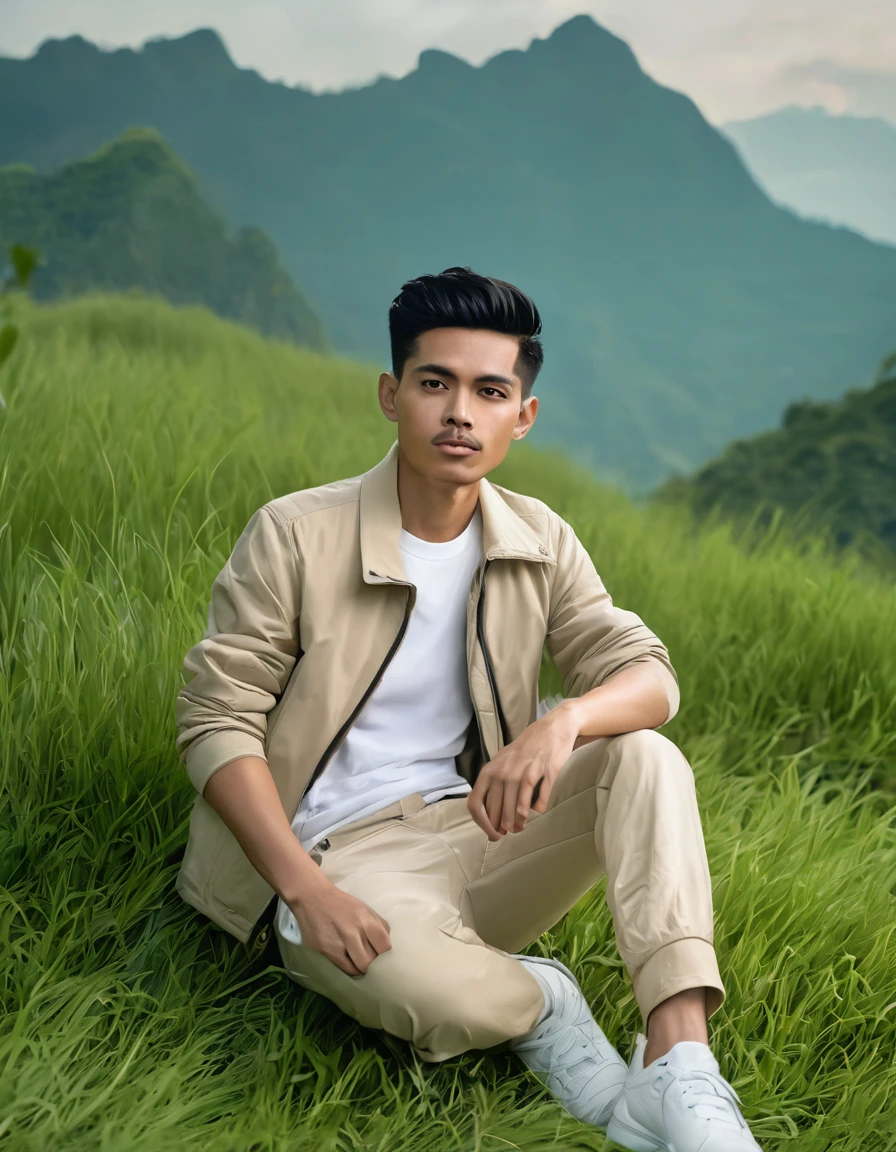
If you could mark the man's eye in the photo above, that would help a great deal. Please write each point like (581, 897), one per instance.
(496, 391)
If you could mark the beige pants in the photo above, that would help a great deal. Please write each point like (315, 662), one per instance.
(458, 904)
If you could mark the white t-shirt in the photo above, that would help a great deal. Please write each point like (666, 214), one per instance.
(406, 737)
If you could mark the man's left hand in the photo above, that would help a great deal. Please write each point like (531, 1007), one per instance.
(501, 798)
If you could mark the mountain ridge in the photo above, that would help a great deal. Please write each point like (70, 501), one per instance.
(840, 169)
(829, 467)
(130, 215)
(681, 307)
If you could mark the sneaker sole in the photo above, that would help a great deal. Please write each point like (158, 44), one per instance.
(630, 1134)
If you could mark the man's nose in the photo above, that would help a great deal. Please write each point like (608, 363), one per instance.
(459, 410)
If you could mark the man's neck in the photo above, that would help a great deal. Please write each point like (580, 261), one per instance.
(434, 511)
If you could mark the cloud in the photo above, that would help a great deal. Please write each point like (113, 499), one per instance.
(861, 91)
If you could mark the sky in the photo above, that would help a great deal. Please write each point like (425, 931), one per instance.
(735, 58)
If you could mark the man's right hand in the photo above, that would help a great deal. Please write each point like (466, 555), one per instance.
(341, 927)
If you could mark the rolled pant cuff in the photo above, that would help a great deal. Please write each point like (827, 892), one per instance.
(688, 963)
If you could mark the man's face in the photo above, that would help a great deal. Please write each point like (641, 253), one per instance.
(442, 395)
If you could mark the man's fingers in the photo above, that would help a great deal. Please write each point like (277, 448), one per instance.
(476, 808)
(360, 951)
(486, 805)
(523, 801)
(541, 795)
(509, 807)
(378, 935)
(494, 805)
(339, 955)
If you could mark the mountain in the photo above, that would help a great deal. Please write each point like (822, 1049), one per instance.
(682, 308)
(832, 464)
(131, 216)
(835, 168)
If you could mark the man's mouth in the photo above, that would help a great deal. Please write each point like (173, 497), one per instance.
(461, 449)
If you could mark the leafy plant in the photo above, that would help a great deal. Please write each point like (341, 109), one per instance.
(23, 261)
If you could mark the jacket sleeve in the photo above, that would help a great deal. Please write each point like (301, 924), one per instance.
(240, 667)
(588, 637)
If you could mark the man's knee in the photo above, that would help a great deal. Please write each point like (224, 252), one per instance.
(648, 759)
(486, 998)
(479, 1004)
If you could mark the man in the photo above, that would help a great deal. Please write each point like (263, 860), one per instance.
(361, 723)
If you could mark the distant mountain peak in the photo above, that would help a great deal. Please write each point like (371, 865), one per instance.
(55, 47)
(583, 24)
(583, 43)
(150, 145)
(198, 52)
(578, 41)
(202, 46)
(788, 113)
(435, 60)
(583, 35)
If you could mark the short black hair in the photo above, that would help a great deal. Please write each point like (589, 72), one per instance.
(461, 298)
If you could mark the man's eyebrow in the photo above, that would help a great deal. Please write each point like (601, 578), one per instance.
(441, 370)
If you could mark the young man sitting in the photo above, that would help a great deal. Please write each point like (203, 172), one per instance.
(374, 768)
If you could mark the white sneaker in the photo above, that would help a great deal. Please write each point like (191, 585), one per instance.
(679, 1103)
(566, 1048)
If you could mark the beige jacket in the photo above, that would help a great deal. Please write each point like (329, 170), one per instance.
(306, 614)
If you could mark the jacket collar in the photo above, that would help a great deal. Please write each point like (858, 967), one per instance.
(505, 535)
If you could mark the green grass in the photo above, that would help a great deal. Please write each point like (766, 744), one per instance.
(138, 442)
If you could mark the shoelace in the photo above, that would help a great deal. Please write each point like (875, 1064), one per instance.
(564, 1056)
(711, 1093)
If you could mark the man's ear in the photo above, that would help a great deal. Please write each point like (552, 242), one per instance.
(387, 386)
(526, 418)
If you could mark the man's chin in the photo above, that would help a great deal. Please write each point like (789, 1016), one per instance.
(460, 471)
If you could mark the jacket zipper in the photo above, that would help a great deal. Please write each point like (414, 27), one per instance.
(259, 940)
(480, 634)
(340, 735)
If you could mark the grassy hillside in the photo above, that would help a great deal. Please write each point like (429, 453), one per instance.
(139, 440)
(830, 468)
(681, 307)
(132, 216)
